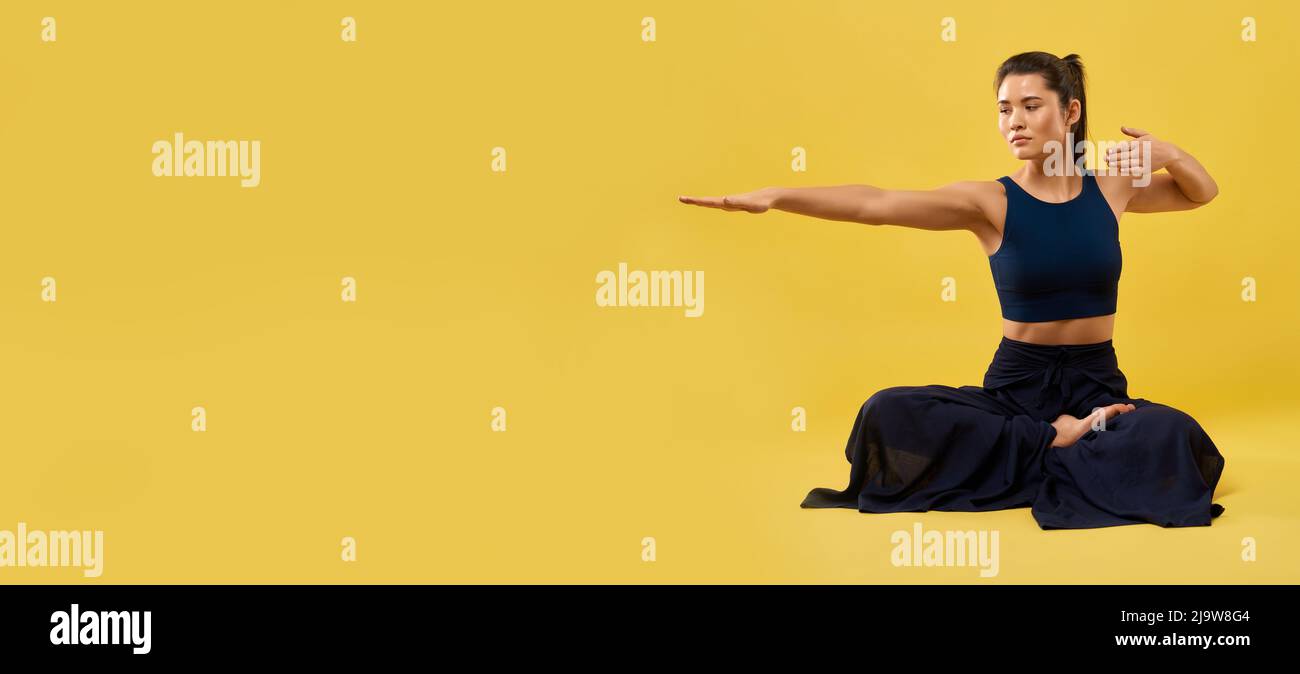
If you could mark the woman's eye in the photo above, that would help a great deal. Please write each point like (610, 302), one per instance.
(1032, 107)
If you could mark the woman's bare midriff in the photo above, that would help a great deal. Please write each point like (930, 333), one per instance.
(1090, 330)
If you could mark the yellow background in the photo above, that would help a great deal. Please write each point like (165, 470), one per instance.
(476, 289)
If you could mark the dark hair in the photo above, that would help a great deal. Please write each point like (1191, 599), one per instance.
(1063, 75)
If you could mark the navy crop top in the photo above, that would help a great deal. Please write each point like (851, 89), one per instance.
(1057, 260)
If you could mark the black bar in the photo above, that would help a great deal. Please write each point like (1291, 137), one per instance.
(197, 623)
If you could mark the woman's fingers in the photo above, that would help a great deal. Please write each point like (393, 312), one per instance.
(1125, 149)
(711, 202)
(737, 202)
(1094, 418)
(1111, 411)
(714, 202)
(1116, 408)
(1126, 156)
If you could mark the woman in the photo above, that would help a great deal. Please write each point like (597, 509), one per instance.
(1052, 427)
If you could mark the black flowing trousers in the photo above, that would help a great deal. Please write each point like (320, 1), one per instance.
(979, 448)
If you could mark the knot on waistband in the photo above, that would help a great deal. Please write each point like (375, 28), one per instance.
(1020, 361)
(1053, 375)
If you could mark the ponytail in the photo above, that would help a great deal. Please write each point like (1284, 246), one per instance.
(1077, 89)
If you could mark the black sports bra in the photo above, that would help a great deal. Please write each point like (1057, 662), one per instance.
(1057, 260)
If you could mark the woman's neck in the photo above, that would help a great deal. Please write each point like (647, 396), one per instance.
(1054, 187)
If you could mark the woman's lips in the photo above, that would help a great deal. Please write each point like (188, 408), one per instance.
(1019, 141)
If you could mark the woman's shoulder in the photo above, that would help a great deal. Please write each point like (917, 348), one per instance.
(995, 190)
(986, 188)
(977, 189)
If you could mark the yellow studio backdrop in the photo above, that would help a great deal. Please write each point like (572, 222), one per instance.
(640, 444)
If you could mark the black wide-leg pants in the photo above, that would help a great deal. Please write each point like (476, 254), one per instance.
(978, 448)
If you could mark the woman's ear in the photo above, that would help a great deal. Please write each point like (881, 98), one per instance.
(1074, 112)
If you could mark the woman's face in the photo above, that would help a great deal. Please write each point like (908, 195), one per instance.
(1028, 109)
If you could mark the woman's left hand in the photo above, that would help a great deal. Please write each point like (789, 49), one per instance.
(1131, 159)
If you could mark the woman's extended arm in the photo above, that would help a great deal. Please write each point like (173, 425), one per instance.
(954, 206)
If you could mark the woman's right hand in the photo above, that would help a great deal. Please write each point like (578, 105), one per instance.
(752, 202)
(1070, 429)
